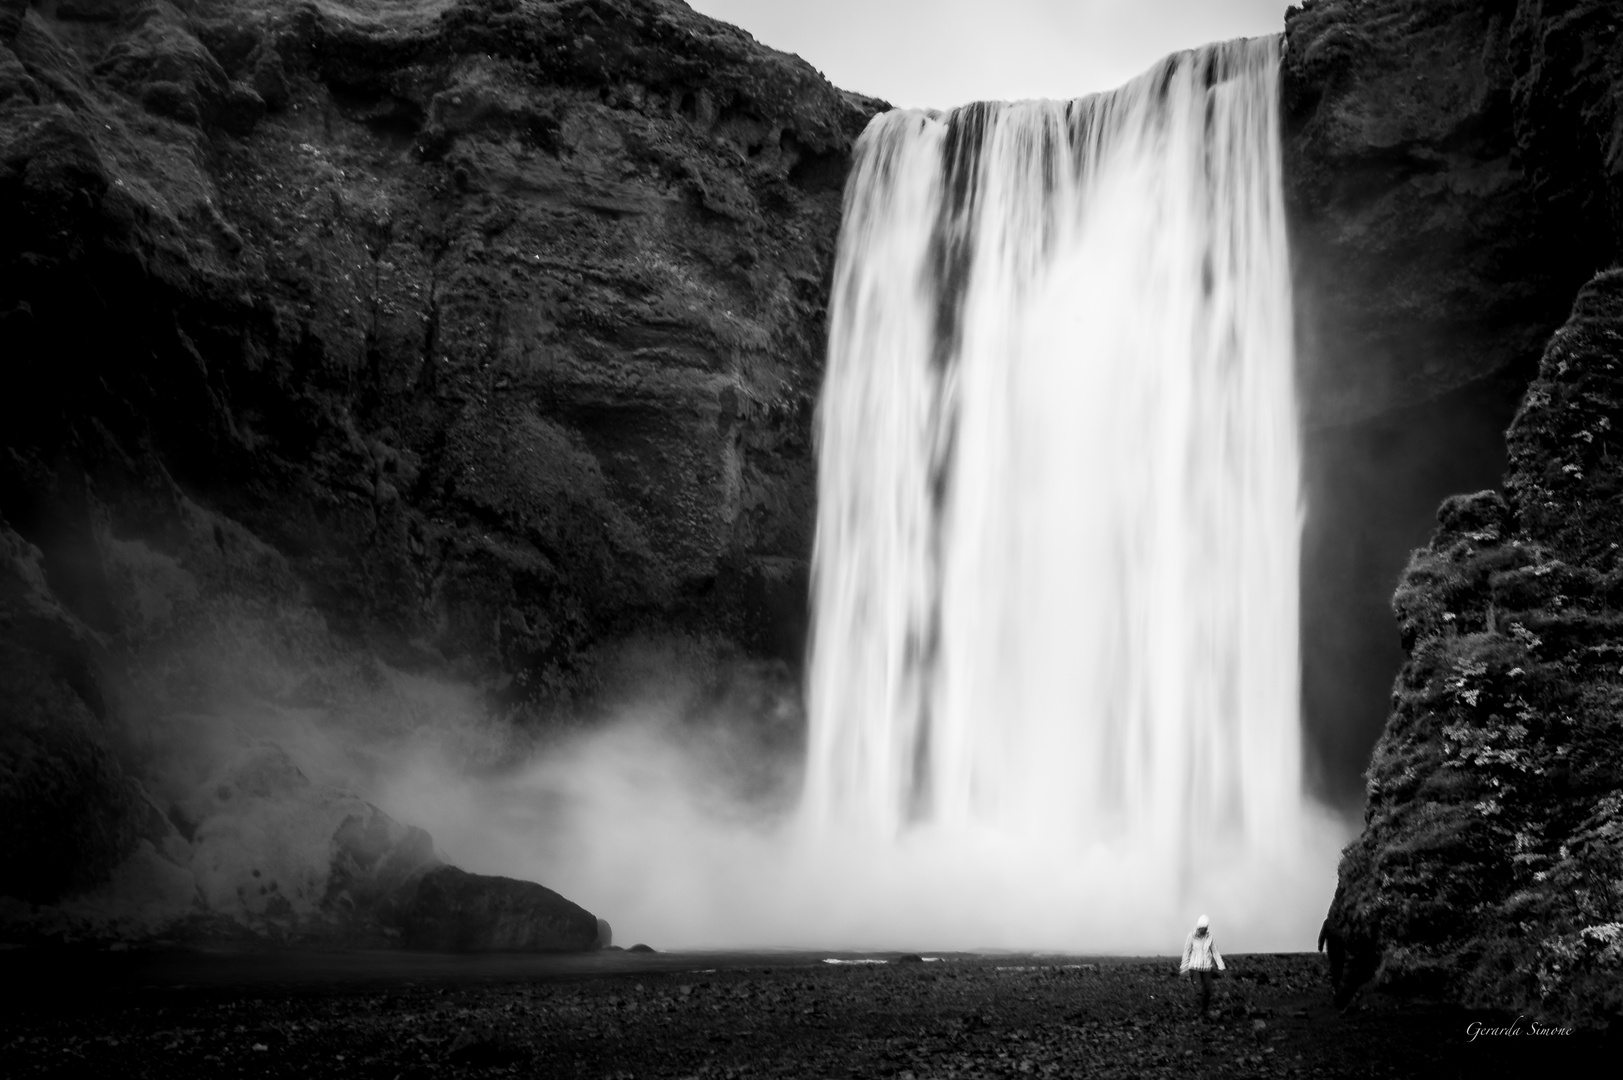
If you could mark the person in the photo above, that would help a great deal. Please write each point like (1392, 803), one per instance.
(1333, 945)
(1201, 956)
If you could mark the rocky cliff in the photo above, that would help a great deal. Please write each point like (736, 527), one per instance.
(1454, 173)
(1491, 861)
(356, 343)
(1455, 169)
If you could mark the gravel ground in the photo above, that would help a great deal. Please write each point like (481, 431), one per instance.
(642, 1016)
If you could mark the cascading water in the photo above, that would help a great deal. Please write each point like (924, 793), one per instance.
(1055, 579)
(1053, 682)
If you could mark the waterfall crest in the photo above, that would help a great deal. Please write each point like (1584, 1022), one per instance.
(1055, 577)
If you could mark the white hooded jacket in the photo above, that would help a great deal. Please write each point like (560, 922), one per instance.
(1200, 954)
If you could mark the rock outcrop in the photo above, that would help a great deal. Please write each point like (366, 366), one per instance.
(446, 340)
(454, 911)
(1491, 862)
(1454, 173)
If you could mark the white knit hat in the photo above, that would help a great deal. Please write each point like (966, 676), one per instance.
(1202, 923)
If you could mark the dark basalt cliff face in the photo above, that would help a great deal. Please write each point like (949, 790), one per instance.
(348, 344)
(1454, 173)
(1491, 862)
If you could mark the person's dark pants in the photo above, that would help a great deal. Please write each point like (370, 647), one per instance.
(1205, 991)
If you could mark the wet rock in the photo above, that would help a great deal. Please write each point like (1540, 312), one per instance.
(452, 910)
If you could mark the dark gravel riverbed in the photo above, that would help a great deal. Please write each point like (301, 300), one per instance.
(624, 1015)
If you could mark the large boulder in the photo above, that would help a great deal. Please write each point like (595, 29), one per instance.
(452, 910)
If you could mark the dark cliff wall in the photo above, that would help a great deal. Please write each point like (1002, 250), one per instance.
(502, 321)
(1491, 861)
(1452, 177)
(1456, 176)
(472, 338)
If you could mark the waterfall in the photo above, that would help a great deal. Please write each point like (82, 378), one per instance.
(1052, 688)
(1055, 578)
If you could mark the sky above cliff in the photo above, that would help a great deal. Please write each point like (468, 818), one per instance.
(941, 53)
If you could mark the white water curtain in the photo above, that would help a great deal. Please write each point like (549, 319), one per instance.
(1055, 580)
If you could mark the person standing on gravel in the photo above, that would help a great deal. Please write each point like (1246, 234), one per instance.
(1200, 955)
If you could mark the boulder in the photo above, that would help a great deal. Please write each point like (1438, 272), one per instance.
(451, 910)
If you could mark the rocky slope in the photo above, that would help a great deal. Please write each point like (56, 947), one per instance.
(1454, 173)
(356, 343)
(1491, 862)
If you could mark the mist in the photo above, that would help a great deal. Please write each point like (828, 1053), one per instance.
(638, 823)
(675, 813)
